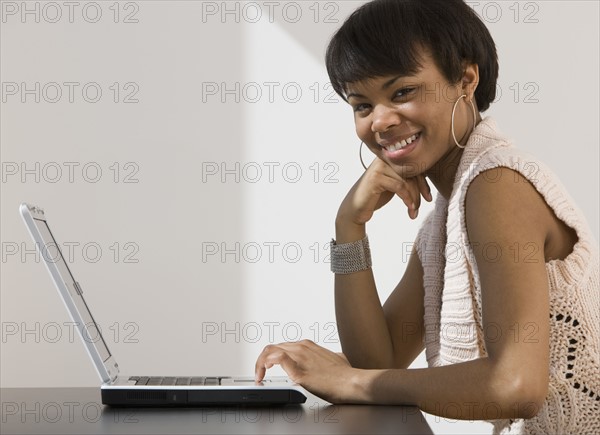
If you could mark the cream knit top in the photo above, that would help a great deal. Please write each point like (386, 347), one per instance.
(452, 303)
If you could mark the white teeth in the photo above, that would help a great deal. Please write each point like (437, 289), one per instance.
(402, 144)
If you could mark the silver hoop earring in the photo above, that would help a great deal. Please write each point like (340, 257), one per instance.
(474, 119)
(360, 155)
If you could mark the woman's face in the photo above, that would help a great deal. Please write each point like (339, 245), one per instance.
(389, 110)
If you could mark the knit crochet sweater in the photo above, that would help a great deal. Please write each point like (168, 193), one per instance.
(452, 302)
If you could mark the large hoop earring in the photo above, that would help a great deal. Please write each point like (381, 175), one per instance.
(360, 155)
(454, 110)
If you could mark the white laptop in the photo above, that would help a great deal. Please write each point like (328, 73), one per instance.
(137, 391)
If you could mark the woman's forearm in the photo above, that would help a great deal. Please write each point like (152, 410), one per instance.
(473, 390)
(362, 328)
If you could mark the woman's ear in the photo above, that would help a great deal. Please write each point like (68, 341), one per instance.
(470, 79)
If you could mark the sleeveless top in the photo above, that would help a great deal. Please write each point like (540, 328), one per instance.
(452, 301)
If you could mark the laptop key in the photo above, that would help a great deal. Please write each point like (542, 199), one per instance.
(134, 378)
(199, 380)
(212, 381)
(168, 381)
(142, 380)
(155, 381)
(183, 381)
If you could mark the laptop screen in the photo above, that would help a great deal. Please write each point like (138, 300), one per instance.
(52, 253)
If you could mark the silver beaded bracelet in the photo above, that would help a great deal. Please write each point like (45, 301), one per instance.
(350, 257)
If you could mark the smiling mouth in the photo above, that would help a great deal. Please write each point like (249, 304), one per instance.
(399, 145)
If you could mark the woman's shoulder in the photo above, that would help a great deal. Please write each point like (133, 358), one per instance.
(501, 199)
(516, 159)
(514, 168)
(505, 176)
(519, 166)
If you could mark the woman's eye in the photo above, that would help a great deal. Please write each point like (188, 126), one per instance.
(403, 92)
(361, 107)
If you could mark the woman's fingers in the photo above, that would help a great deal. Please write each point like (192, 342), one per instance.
(295, 358)
(376, 187)
(316, 368)
(261, 366)
(410, 190)
(424, 188)
(405, 192)
(272, 355)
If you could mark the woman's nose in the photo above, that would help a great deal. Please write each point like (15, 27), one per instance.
(384, 118)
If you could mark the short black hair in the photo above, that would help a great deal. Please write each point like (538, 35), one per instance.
(383, 37)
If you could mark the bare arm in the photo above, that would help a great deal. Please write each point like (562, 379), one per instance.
(512, 380)
(404, 314)
(371, 335)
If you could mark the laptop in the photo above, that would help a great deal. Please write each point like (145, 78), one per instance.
(135, 391)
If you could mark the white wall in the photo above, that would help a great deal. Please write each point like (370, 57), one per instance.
(142, 235)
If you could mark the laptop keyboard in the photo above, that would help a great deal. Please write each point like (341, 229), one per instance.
(158, 380)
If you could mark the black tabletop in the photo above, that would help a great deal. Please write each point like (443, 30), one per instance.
(80, 411)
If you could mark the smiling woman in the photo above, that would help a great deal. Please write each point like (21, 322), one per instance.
(501, 289)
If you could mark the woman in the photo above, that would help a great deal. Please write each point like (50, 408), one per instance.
(502, 287)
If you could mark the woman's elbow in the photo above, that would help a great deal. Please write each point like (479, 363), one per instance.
(526, 396)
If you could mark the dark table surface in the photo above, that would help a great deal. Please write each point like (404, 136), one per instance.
(80, 411)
